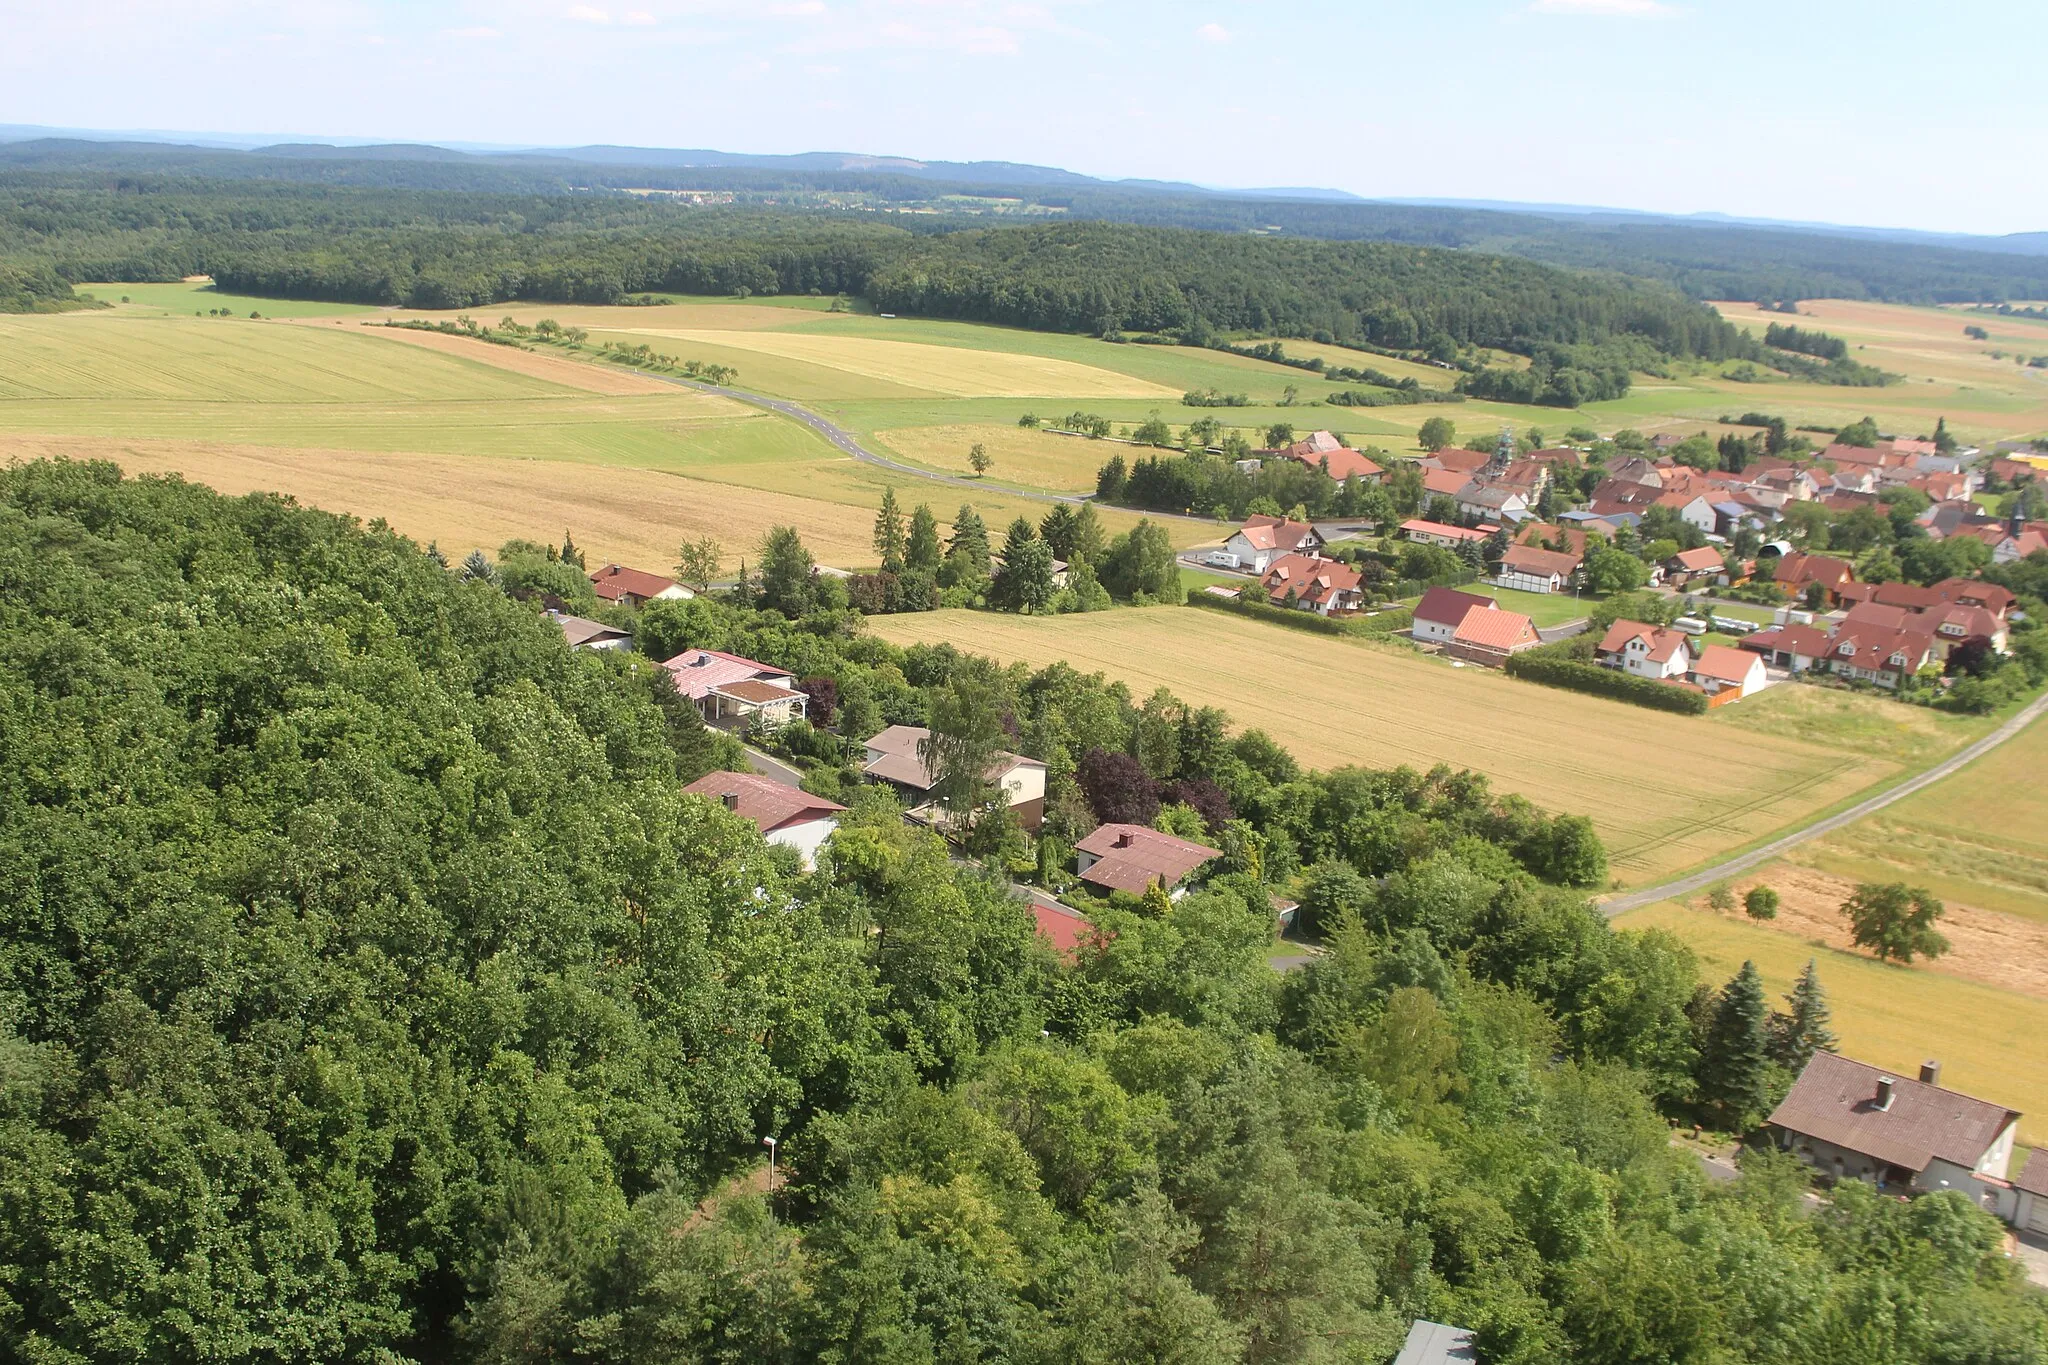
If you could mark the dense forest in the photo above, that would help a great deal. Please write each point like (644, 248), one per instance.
(370, 992)
(1703, 259)
(457, 249)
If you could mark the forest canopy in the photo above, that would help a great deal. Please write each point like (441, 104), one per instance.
(369, 991)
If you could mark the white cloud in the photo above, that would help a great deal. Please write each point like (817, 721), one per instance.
(589, 14)
(1616, 9)
(482, 33)
(1213, 33)
(638, 18)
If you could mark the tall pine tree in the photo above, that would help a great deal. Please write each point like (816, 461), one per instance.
(889, 533)
(922, 549)
(1023, 582)
(967, 553)
(1058, 530)
(1735, 1062)
(1796, 1036)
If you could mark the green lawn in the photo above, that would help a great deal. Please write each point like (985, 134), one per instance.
(182, 300)
(1546, 609)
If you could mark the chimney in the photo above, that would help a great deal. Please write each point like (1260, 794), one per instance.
(1930, 1073)
(1884, 1093)
(1123, 839)
(732, 802)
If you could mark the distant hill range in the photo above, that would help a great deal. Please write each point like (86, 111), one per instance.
(1706, 255)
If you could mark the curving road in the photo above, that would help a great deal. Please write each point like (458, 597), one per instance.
(1699, 881)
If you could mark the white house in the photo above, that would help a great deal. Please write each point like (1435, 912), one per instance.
(786, 815)
(1492, 502)
(1262, 539)
(896, 756)
(1646, 651)
(1533, 570)
(730, 690)
(1856, 1122)
(2030, 1194)
(1442, 610)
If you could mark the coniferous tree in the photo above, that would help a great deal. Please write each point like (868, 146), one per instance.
(1734, 1063)
(921, 550)
(476, 568)
(787, 573)
(1089, 537)
(1797, 1035)
(889, 542)
(967, 553)
(1058, 531)
(1023, 582)
(571, 552)
(434, 553)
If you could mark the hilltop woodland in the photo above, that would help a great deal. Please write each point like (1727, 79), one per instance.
(455, 249)
(370, 991)
(1704, 261)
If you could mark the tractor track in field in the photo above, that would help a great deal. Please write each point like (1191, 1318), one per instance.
(1698, 881)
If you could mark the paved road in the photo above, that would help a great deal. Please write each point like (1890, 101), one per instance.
(844, 441)
(774, 769)
(1699, 881)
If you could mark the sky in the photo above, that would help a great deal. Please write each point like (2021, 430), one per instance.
(1898, 113)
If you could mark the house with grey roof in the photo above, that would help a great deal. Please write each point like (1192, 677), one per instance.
(1432, 1343)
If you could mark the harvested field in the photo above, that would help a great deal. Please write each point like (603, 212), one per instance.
(1988, 1040)
(1337, 701)
(636, 516)
(575, 374)
(950, 370)
(1037, 459)
(1985, 946)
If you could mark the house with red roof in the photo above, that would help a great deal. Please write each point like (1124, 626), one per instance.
(1442, 610)
(785, 815)
(1064, 928)
(1532, 570)
(1722, 669)
(1323, 450)
(1134, 858)
(1795, 572)
(635, 587)
(1263, 539)
(1445, 483)
(1791, 646)
(1327, 587)
(730, 690)
(1658, 653)
(1872, 654)
(1490, 638)
(1457, 460)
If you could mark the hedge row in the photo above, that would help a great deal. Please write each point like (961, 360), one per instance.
(1386, 623)
(1561, 670)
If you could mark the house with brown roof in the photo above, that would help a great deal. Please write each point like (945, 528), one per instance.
(785, 815)
(1722, 669)
(1795, 572)
(1263, 539)
(1854, 1121)
(635, 587)
(1694, 566)
(1132, 858)
(1440, 533)
(731, 691)
(1457, 460)
(1490, 637)
(896, 756)
(2030, 1194)
(1532, 570)
(1647, 651)
(583, 633)
(1445, 483)
(1790, 646)
(1442, 610)
(1327, 587)
(1494, 500)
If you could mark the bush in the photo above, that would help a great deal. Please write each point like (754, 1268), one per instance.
(1561, 670)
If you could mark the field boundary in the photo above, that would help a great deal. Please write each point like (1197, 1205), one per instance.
(1699, 881)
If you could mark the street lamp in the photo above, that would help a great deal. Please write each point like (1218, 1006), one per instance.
(769, 1143)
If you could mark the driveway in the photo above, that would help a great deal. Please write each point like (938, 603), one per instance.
(774, 769)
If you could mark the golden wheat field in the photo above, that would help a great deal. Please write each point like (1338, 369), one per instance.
(1665, 791)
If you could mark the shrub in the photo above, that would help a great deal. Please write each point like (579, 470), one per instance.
(1561, 670)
